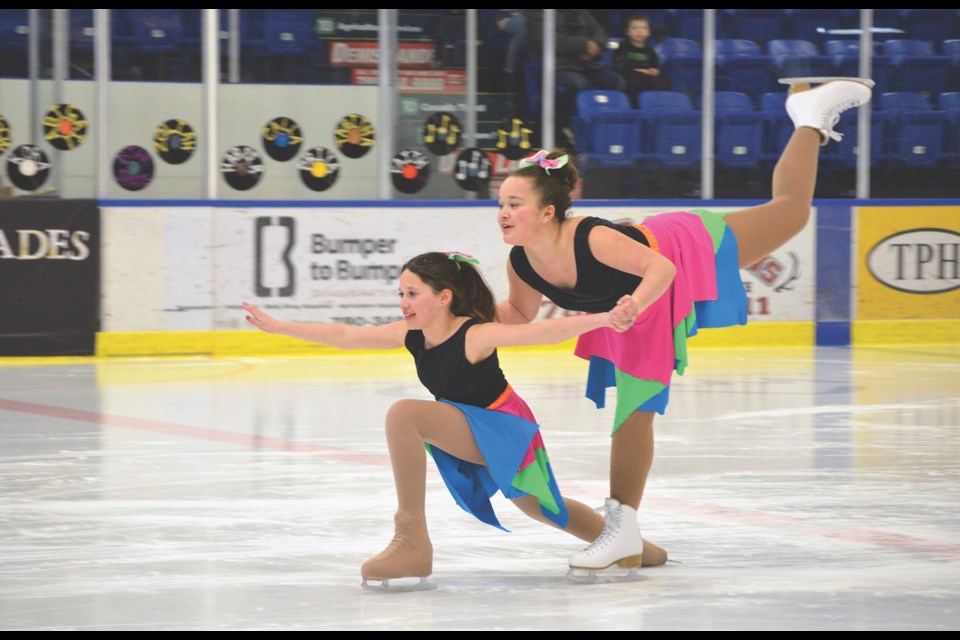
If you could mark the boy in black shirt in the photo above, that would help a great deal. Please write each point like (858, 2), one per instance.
(637, 60)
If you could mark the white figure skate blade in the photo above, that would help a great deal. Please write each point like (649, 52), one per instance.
(398, 585)
(822, 79)
(611, 574)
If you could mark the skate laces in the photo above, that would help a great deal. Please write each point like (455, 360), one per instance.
(843, 103)
(834, 135)
(612, 527)
(830, 114)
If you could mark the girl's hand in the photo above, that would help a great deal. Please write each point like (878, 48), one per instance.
(624, 314)
(259, 319)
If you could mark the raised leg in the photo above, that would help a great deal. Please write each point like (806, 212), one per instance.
(764, 228)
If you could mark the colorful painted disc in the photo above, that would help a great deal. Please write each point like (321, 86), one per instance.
(282, 138)
(242, 167)
(319, 168)
(6, 135)
(410, 171)
(175, 141)
(354, 135)
(472, 169)
(515, 139)
(64, 127)
(28, 167)
(133, 168)
(442, 133)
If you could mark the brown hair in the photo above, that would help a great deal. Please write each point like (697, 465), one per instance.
(471, 295)
(554, 187)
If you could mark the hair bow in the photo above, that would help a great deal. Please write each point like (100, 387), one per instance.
(458, 257)
(540, 158)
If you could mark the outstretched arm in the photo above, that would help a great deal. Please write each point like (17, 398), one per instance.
(482, 339)
(334, 334)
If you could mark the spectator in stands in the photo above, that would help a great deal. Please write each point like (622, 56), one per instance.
(513, 24)
(637, 60)
(580, 43)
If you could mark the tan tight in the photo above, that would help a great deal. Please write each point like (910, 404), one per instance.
(759, 231)
(762, 229)
(410, 423)
(631, 456)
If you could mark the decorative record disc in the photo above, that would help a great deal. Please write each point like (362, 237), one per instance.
(319, 168)
(64, 127)
(28, 167)
(472, 169)
(175, 141)
(133, 168)
(354, 135)
(242, 167)
(6, 135)
(410, 170)
(441, 133)
(515, 138)
(282, 138)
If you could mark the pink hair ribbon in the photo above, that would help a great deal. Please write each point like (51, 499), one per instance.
(540, 158)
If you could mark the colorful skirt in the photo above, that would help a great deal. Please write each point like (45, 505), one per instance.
(706, 292)
(516, 461)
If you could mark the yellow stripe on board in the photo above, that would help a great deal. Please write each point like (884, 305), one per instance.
(238, 344)
(873, 332)
(250, 343)
(207, 343)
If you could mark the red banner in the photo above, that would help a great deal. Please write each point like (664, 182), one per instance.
(367, 54)
(418, 80)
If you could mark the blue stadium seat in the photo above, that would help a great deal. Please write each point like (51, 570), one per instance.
(533, 84)
(287, 49)
(814, 25)
(794, 58)
(155, 42)
(607, 128)
(913, 131)
(81, 35)
(844, 155)
(81, 30)
(888, 24)
(742, 65)
(739, 131)
(673, 129)
(915, 66)
(951, 49)
(845, 57)
(14, 38)
(681, 63)
(932, 25)
(949, 103)
(778, 127)
(156, 30)
(759, 25)
(685, 23)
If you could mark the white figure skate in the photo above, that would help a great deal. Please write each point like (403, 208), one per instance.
(820, 107)
(619, 545)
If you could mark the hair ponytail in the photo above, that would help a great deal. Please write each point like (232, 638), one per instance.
(554, 177)
(471, 294)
